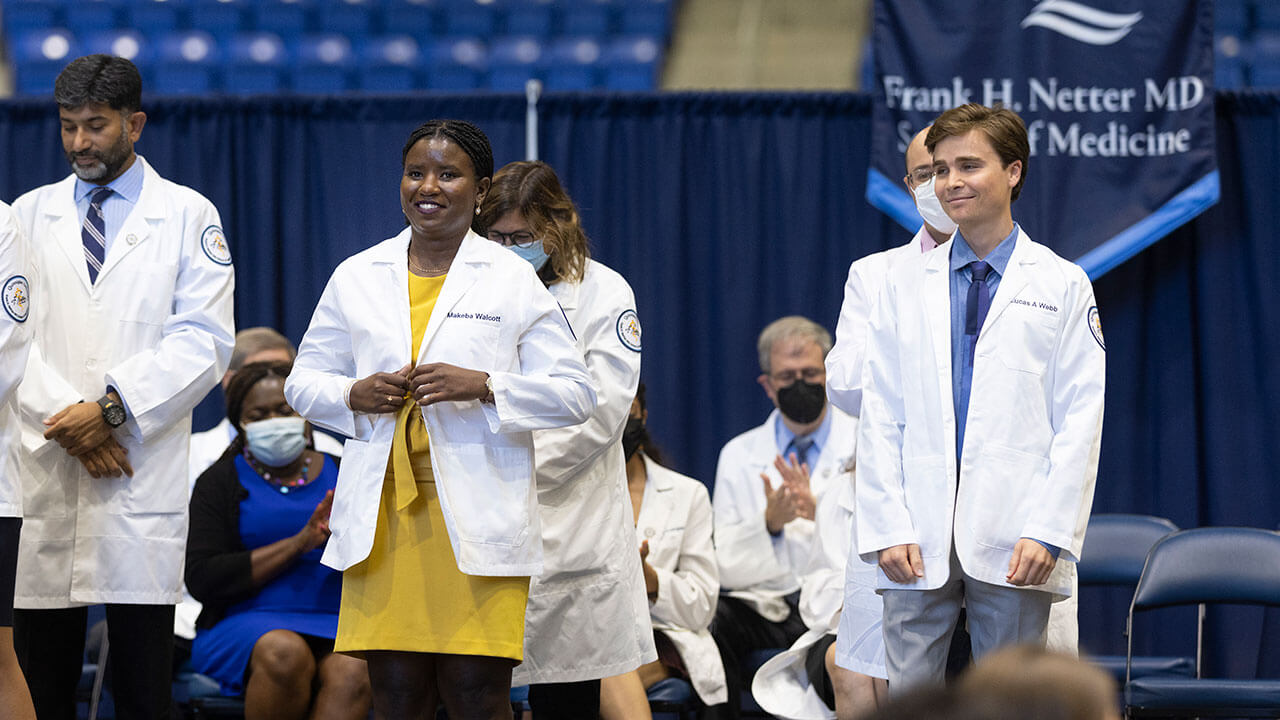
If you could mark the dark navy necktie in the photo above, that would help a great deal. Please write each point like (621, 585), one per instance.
(801, 449)
(93, 232)
(977, 304)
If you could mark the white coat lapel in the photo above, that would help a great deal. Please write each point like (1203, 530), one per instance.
(467, 266)
(937, 302)
(658, 508)
(391, 285)
(1014, 280)
(64, 229)
(138, 225)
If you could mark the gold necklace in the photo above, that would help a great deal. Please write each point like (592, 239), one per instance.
(424, 271)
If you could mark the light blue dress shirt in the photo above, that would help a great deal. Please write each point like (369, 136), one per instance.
(787, 440)
(961, 368)
(118, 205)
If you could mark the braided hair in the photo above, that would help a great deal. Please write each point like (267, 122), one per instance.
(245, 379)
(466, 136)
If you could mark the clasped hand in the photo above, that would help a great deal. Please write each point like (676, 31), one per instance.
(82, 432)
(790, 500)
(429, 383)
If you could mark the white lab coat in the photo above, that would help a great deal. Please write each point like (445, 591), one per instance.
(492, 315)
(1033, 432)
(157, 326)
(755, 566)
(15, 343)
(675, 517)
(588, 616)
(206, 447)
(781, 686)
(844, 362)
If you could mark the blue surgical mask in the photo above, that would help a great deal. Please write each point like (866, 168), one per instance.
(533, 254)
(276, 442)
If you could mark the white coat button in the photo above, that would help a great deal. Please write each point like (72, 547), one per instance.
(650, 532)
(132, 239)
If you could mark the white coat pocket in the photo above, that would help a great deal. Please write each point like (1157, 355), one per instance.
(1004, 501)
(1026, 340)
(487, 491)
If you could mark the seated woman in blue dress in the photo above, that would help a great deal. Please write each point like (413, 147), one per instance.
(259, 521)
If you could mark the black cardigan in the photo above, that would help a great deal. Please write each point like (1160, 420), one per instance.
(218, 573)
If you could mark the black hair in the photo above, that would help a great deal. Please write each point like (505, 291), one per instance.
(99, 79)
(238, 389)
(466, 136)
(647, 444)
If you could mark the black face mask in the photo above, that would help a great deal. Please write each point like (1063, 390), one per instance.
(802, 401)
(633, 436)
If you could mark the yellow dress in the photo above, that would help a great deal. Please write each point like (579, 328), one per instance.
(408, 594)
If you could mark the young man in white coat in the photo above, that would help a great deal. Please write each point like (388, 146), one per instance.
(981, 425)
(763, 524)
(132, 320)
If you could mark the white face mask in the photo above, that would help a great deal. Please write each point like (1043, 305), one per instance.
(931, 209)
(276, 442)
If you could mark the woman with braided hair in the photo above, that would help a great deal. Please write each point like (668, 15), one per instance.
(438, 353)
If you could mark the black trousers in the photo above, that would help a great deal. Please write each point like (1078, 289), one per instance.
(50, 648)
(565, 701)
(738, 630)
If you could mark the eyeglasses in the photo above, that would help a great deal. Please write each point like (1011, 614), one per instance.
(787, 377)
(519, 238)
(920, 176)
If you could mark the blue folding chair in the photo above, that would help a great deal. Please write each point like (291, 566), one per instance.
(1197, 567)
(1115, 549)
(673, 699)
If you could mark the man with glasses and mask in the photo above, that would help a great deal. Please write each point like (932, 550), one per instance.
(764, 524)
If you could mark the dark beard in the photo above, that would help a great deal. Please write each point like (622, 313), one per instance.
(109, 161)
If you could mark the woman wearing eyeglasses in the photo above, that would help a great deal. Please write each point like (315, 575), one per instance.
(588, 616)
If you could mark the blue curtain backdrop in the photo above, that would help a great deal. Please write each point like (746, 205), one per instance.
(726, 211)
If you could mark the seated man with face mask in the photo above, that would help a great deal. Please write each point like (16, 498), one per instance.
(764, 525)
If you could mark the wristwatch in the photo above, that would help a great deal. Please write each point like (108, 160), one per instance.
(112, 412)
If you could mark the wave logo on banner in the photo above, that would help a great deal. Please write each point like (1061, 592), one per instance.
(1122, 138)
(1081, 22)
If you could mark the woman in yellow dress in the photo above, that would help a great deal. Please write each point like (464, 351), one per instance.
(438, 353)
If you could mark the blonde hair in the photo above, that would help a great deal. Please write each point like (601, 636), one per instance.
(531, 188)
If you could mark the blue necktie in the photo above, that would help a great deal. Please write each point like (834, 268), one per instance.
(801, 448)
(93, 232)
(977, 304)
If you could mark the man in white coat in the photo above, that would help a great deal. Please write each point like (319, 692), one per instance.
(866, 277)
(981, 425)
(132, 320)
(764, 525)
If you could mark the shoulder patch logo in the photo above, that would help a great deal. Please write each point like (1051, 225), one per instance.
(628, 326)
(1095, 326)
(17, 298)
(214, 244)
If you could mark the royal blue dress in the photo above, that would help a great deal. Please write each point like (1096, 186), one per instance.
(304, 598)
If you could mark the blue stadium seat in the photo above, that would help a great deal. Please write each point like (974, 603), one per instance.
(631, 63)
(1229, 62)
(645, 17)
(323, 64)
(38, 56)
(286, 18)
(220, 18)
(187, 63)
(23, 16)
(469, 17)
(153, 17)
(1266, 15)
(89, 16)
(570, 64)
(353, 18)
(456, 64)
(128, 44)
(257, 64)
(512, 62)
(586, 17)
(414, 17)
(1231, 16)
(1264, 56)
(388, 64)
(529, 17)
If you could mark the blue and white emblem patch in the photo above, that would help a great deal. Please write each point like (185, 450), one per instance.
(1095, 326)
(629, 330)
(17, 298)
(214, 244)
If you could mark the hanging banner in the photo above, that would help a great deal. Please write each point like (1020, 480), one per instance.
(1117, 96)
